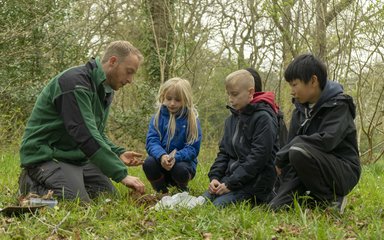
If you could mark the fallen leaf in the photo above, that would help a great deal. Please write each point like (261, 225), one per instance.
(361, 225)
(279, 229)
(288, 229)
(207, 236)
(56, 237)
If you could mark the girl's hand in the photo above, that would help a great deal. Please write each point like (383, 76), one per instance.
(167, 162)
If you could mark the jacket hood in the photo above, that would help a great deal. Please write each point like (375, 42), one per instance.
(331, 90)
(260, 101)
(267, 97)
(334, 89)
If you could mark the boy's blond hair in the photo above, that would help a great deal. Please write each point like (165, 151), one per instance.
(183, 91)
(242, 77)
(121, 49)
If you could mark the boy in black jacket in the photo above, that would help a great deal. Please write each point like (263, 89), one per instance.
(321, 158)
(244, 167)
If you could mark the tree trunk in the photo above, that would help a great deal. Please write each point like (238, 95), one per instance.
(160, 51)
(321, 29)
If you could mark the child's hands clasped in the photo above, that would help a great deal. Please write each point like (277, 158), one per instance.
(167, 162)
(215, 187)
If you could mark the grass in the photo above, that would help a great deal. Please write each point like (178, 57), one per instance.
(123, 218)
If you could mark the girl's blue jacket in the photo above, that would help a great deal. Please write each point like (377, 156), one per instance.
(158, 142)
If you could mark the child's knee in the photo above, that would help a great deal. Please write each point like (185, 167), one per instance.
(152, 169)
(223, 201)
(149, 163)
(181, 173)
(299, 155)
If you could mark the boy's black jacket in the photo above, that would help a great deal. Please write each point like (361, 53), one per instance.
(247, 150)
(329, 127)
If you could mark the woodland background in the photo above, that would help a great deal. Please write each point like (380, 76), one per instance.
(200, 40)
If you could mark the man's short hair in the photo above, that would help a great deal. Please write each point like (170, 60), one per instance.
(256, 78)
(240, 76)
(121, 49)
(303, 67)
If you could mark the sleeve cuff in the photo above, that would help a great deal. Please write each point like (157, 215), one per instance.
(109, 164)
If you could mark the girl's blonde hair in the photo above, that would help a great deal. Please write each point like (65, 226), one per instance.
(183, 90)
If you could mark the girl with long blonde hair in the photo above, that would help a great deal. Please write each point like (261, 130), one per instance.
(174, 138)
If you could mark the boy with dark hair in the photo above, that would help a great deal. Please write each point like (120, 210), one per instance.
(321, 158)
(244, 166)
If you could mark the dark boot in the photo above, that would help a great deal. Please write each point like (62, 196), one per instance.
(160, 185)
(290, 186)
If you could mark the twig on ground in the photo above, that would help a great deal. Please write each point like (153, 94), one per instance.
(53, 226)
(54, 231)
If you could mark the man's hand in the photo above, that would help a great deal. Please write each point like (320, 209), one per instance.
(134, 183)
(213, 185)
(130, 158)
(278, 170)
(222, 189)
(167, 162)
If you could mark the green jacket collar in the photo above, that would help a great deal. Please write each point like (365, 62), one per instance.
(98, 74)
